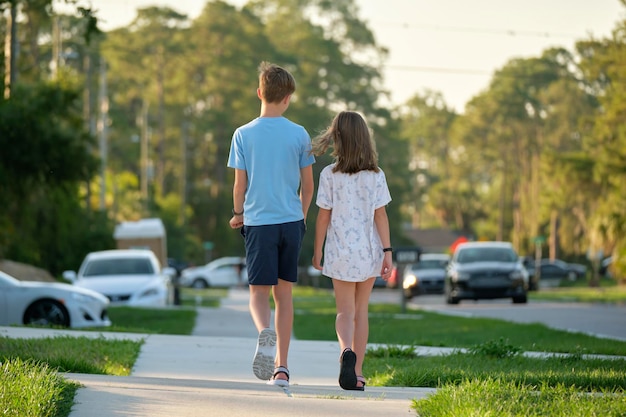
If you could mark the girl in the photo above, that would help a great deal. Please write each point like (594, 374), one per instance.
(352, 219)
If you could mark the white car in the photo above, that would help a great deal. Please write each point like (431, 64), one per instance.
(131, 277)
(229, 271)
(50, 303)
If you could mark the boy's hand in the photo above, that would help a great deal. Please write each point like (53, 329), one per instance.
(236, 222)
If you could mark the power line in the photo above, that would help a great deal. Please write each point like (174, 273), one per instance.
(416, 68)
(486, 31)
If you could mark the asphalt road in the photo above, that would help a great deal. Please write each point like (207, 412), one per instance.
(600, 320)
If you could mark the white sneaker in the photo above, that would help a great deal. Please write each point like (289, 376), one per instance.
(263, 363)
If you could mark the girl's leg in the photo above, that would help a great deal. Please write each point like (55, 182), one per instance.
(344, 322)
(361, 322)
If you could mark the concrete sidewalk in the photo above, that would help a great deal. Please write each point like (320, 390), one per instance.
(209, 374)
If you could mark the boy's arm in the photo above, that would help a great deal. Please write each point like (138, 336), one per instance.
(239, 193)
(382, 226)
(306, 188)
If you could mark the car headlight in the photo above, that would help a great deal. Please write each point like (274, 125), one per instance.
(516, 275)
(410, 280)
(150, 292)
(459, 276)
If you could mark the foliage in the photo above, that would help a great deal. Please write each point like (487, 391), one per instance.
(46, 155)
(31, 388)
(538, 153)
(495, 349)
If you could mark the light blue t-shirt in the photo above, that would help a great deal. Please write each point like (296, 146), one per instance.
(272, 150)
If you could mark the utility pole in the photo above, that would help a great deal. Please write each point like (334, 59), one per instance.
(145, 131)
(103, 101)
(183, 185)
(10, 51)
(56, 47)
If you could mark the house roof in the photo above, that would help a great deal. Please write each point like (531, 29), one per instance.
(433, 240)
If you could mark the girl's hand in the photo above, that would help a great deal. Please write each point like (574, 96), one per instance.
(317, 262)
(387, 268)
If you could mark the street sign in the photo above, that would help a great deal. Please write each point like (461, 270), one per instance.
(406, 255)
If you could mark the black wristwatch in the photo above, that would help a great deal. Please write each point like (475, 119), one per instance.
(237, 214)
(389, 249)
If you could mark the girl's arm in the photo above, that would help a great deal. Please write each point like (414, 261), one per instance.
(306, 188)
(321, 226)
(382, 226)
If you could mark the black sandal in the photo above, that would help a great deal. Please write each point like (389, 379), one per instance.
(360, 379)
(347, 374)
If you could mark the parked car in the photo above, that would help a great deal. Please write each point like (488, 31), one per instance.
(229, 271)
(131, 277)
(605, 267)
(485, 270)
(426, 276)
(552, 271)
(50, 304)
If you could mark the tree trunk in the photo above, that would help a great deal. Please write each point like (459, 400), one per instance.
(10, 51)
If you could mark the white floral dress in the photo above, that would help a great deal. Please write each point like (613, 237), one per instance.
(353, 250)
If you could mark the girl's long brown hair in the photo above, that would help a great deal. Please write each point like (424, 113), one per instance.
(353, 147)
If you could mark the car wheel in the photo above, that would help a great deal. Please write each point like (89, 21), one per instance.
(571, 275)
(47, 313)
(199, 284)
(522, 299)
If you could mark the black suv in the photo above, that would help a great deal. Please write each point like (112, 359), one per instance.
(486, 270)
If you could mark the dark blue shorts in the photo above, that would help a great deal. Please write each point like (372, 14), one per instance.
(272, 252)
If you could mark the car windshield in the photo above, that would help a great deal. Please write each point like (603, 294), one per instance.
(119, 266)
(469, 255)
(430, 264)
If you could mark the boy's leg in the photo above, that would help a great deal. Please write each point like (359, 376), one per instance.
(260, 306)
(361, 322)
(283, 322)
(263, 363)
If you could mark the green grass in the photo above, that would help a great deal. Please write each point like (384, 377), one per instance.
(492, 379)
(178, 321)
(315, 320)
(494, 397)
(208, 297)
(606, 293)
(74, 354)
(31, 388)
(438, 371)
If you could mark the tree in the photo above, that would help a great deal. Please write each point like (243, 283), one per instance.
(44, 159)
(602, 64)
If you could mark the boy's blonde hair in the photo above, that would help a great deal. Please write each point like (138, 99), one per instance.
(275, 82)
(353, 147)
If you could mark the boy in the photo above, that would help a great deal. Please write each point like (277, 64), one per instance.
(271, 157)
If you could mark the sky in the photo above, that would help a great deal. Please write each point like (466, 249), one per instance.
(449, 46)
